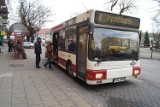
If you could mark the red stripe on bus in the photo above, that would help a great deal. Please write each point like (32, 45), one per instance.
(62, 61)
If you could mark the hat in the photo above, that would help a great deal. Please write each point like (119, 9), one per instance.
(38, 38)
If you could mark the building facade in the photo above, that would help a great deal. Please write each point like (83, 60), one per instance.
(42, 34)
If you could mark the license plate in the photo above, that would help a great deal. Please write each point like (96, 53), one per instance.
(119, 79)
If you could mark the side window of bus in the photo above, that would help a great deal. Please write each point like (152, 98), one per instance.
(61, 45)
(71, 39)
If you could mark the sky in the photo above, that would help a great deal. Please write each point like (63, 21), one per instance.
(65, 9)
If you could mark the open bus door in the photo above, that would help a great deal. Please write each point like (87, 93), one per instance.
(82, 32)
(55, 46)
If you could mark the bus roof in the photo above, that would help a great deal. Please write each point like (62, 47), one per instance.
(101, 18)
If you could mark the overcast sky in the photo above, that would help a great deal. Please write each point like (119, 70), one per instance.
(64, 9)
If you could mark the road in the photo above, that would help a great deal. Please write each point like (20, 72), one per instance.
(141, 92)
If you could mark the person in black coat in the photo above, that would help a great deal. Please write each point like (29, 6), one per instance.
(38, 51)
(0, 46)
(10, 45)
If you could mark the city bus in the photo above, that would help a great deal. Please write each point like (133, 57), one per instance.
(98, 47)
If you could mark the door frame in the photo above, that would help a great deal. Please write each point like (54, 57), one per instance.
(79, 74)
(56, 33)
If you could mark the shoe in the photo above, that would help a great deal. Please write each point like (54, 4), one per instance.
(38, 67)
(45, 65)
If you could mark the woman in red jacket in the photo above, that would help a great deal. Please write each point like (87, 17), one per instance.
(48, 54)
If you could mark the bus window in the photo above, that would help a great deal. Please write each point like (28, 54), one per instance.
(71, 39)
(61, 40)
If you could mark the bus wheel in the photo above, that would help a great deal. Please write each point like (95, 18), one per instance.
(70, 69)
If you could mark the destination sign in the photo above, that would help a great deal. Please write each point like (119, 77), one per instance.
(116, 20)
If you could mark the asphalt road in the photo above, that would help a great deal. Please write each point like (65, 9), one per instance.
(141, 92)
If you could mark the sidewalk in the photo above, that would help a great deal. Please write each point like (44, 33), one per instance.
(22, 85)
(146, 53)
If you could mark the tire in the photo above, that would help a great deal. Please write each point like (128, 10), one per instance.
(70, 70)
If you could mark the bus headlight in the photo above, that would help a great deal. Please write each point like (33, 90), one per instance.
(99, 75)
(136, 71)
(96, 74)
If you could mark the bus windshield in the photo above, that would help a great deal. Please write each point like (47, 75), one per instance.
(109, 44)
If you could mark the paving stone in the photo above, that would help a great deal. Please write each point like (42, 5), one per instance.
(5, 99)
(76, 98)
(6, 86)
(57, 106)
(39, 105)
(18, 87)
(20, 105)
(31, 91)
(30, 88)
(71, 94)
(44, 92)
(33, 96)
(47, 97)
(19, 100)
(43, 88)
(66, 103)
(5, 94)
(62, 97)
(56, 93)
(67, 90)
(5, 104)
(5, 90)
(51, 102)
(34, 102)
(21, 90)
(83, 104)
(18, 95)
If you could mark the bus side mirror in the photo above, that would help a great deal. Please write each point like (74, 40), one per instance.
(91, 28)
(140, 35)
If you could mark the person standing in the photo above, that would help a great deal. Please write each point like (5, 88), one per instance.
(20, 48)
(0, 46)
(48, 55)
(38, 51)
(10, 43)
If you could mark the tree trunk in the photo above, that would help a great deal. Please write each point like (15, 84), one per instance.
(28, 38)
(32, 39)
(32, 36)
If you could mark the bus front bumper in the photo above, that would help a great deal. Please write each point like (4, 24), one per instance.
(96, 82)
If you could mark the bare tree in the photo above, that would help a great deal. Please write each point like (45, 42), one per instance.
(124, 5)
(156, 18)
(157, 40)
(112, 4)
(33, 15)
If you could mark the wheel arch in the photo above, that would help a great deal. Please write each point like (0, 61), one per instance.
(68, 62)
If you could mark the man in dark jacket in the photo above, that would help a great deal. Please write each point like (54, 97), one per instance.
(0, 46)
(38, 51)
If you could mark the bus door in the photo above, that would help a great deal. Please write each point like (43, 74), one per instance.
(81, 51)
(55, 46)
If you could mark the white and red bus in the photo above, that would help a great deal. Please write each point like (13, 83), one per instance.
(98, 47)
